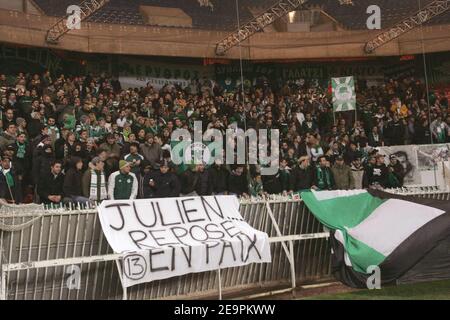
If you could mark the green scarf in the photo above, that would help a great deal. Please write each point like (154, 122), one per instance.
(9, 178)
(154, 130)
(21, 150)
(255, 188)
(323, 178)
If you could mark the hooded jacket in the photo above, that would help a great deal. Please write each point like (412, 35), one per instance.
(166, 185)
(72, 181)
(41, 163)
(151, 152)
(343, 177)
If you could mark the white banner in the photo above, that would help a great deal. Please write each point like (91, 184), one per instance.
(136, 73)
(407, 156)
(164, 238)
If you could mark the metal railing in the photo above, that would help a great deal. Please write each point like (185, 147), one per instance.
(37, 262)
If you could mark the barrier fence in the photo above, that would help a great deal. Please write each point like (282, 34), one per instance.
(63, 254)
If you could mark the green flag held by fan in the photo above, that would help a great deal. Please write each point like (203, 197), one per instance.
(344, 94)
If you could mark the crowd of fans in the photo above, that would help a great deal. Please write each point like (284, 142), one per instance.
(85, 138)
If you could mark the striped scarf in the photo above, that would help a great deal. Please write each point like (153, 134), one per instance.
(98, 190)
(323, 178)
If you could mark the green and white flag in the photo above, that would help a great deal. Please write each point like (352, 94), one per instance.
(374, 228)
(344, 94)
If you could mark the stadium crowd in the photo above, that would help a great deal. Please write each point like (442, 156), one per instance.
(85, 138)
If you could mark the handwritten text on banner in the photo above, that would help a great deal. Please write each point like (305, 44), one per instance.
(163, 238)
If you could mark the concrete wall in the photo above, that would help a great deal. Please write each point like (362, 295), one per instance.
(20, 5)
(19, 28)
(12, 5)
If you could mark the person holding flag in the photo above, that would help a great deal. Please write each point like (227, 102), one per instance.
(10, 184)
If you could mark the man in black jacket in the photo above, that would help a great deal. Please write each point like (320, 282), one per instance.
(396, 168)
(52, 184)
(219, 178)
(378, 175)
(72, 182)
(237, 182)
(161, 183)
(43, 157)
(395, 131)
(323, 177)
(302, 176)
(196, 182)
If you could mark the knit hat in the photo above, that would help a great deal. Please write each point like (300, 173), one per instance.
(20, 121)
(83, 118)
(123, 164)
(96, 160)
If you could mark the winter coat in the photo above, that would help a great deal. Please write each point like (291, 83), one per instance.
(51, 186)
(237, 184)
(72, 183)
(376, 174)
(166, 185)
(323, 178)
(6, 140)
(219, 178)
(15, 190)
(151, 153)
(301, 179)
(272, 183)
(343, 177)
(42, 162)
(200, 182)
(111, 148)
(122, 186)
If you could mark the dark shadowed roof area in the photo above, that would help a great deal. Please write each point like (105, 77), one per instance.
(223, 15)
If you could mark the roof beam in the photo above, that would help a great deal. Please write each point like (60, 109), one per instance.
(277, 11)
(87, 8)
(430, 11)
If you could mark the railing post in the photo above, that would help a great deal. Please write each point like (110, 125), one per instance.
(3, 292)
(293, 276)
(219, 280)
(120, 270)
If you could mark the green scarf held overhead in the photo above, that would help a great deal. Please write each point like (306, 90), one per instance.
(70, 122)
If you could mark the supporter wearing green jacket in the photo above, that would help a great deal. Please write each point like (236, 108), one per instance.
(123, 184)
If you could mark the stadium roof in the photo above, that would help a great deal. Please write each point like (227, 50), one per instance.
(223, 14)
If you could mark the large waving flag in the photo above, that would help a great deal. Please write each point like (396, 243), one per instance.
(374, 228)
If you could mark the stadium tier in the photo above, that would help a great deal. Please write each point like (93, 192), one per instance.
(223, 15)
